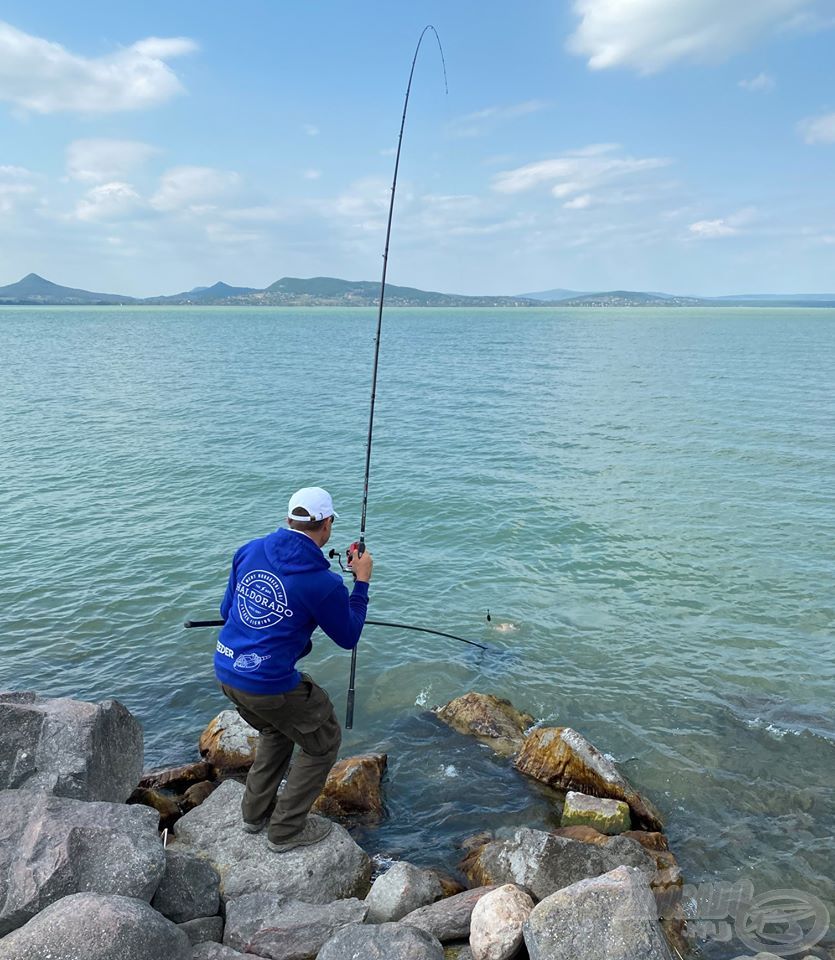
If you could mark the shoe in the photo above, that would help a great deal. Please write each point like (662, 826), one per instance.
(256, 827)
(314, 830)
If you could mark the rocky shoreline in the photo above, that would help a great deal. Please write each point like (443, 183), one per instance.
(100, 861)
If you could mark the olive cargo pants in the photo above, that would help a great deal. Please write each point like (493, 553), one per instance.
(304, 717)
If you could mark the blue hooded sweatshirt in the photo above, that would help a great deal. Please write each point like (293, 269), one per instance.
(280, 589)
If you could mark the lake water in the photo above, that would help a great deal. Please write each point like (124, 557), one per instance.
(643, 499)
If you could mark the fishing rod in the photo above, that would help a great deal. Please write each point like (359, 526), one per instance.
(359, 546)
(189, 624)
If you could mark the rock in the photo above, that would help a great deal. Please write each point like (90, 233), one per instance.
(354, 786)
(69, 748)
(196, 794)
(190, 888)
(52, 847)
(216, 951)
(449, 885)
(203, 929)
(610, 917)
(489, 719)
(496, 923)
(229, 743)
(606, 816)
(457, 951)
(448, 919)
(544, 863)
(564, 759)
(167, 807)
(334, 869)
(281, 928)
(383, 941)
(94, 926)
(583, 834)
(176, 779)
(648, 839)
(401, 889)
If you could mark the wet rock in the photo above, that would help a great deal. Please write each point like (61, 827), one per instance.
(52, 847)
(216, 951)
(167, 807)
(228, 743)
(606, 816)
(490, 719)
(354, 787)
(544, 863)
(583, 834)
(648, 839)
(457, 951)
(334, 869)
(190, 888)
(196, 794)
(564, 759)
(383, 941)
(96, 926)
(449, 885)
(203, 929)
(448, 919)
(69, 748)
(176, 779)
(401, 889)
(281, 928)
(610, 917)
(496, 923)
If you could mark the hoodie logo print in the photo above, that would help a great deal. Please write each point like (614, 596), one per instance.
(262, 600)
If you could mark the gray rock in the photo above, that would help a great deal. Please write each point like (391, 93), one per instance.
(281, 928)
(496, 923)
(334, 869)
(51, 847)
(203, 929)
(216, 951)
(610, 917)
(70, 748)
(604, 815)
(457, 951)
(190, 887)
(448, 919)
(382, 941)
(229, 742)
(401, 889)
(544, 863)
(92, 926)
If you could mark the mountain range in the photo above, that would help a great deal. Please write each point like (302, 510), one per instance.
(331, 291)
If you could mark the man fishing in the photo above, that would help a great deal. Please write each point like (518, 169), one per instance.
(280, 589)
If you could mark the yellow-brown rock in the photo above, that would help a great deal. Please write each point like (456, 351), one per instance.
(176, 779)
(354, 787)
(196, 794)
(229, 743)
(565, 760)
(492, 720)
(583, 834)
(166, 806)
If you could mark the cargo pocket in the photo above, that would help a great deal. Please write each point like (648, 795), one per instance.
(315, 724)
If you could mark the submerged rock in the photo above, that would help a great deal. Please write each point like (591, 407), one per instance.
(228, 743)
(610, 917)
(334, 869)
(383, 941)
(176, 779)
(490, 719)
(69, 748)
(96, 926)
(607, 816)
(401, 889)
(564, 759)
(448, 919)
(496, 923)
(354, 786)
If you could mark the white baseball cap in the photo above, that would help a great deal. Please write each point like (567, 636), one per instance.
(316, 501)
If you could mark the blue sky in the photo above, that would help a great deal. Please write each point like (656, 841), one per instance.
(589, 144)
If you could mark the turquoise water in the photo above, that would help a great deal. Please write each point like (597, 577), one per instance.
(643, 500)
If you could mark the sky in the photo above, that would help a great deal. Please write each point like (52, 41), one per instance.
(684, 146)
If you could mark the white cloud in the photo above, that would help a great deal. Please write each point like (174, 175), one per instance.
(365, 200)
(818, 129)
(194, 189)
(577, 172)
(762, 83)
(45, 77)
(109, 201)
(311, 130)
(649, 35)
(312, 174)
(579, 203)
(722, 227)
(101, 160)
(475, 124)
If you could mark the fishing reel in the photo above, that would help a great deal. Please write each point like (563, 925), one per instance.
(357, 549)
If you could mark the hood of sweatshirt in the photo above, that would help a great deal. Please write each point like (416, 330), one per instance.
(292, 552)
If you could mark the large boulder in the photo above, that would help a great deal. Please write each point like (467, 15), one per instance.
(382, 941)
(354, 787)
(52, 847)
(401, 889)
(190, 887)
(496, 923)
(544, 863)
(604, 815)
(447, 919)
(610, 917)
(228, 743)
(281, 928)
(334, 869)
(70, 748)
(565, 760)
(203, 929)
(94, 926)
(490, 719)
(216, 951)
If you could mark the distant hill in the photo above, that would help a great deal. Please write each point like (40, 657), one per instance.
(34, 289)
(629, 298)
(219, 291)
(553, 295)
